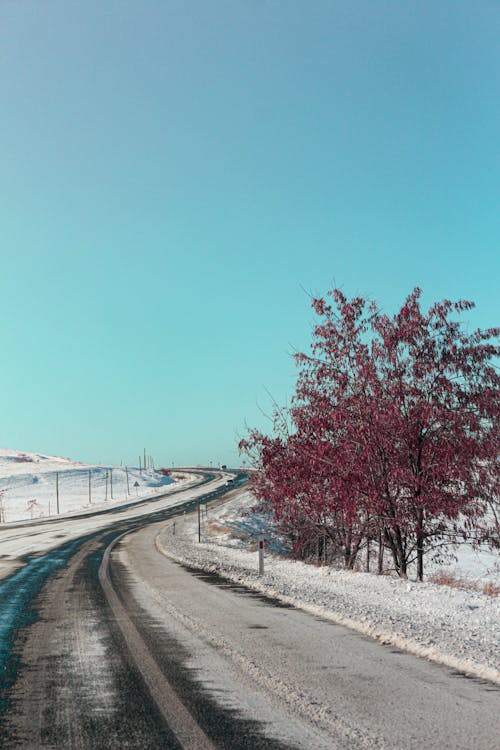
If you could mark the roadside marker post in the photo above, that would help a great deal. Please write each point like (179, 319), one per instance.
(261, 556)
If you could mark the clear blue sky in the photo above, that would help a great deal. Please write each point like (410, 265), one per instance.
(174, 171)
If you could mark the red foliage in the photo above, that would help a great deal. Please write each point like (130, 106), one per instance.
(394, 431)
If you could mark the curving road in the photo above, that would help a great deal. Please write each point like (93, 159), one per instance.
(48, 569)
(123, 648)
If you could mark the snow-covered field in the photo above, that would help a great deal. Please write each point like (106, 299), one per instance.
(454, 626)
(29, 483)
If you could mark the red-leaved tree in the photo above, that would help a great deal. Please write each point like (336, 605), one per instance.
(394, 434)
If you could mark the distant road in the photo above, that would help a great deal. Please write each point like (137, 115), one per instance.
(35, 536)
(132, 650)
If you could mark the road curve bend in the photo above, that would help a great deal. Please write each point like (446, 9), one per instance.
(121, 647)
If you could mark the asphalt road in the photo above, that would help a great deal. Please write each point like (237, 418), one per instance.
(50, 587)
(123, 648)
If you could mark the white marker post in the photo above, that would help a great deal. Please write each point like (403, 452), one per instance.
(261, 556)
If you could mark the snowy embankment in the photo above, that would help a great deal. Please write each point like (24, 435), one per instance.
(32, 485)
(452, 626)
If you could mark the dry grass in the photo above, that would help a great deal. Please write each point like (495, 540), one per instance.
(490, 589)
(216, 528)
(457, 582)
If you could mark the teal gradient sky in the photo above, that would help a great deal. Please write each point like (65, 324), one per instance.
(174, 173)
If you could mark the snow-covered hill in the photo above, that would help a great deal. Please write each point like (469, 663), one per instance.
(31, 482)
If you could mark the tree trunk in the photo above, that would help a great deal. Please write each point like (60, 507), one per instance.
(390, 543)
(394, 540)
(380, 560)
(401, 553)
(347, 550)
(420, 544)
(402, 570)
(353, 556)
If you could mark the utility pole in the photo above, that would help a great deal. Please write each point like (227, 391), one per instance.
(144, 459)
(57, 492)
(140, 469)
(106, 487)
(111, 481)
(90, 486)
(199, 521)
(128, 488)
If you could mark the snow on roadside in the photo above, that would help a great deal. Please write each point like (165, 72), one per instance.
(455, 627)
(28, 485)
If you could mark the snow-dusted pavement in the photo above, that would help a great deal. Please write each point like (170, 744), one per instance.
(66, 678)
(455, 627)
(256, 673)
(118, 646)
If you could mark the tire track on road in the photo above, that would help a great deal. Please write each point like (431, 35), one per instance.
(177, 716)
